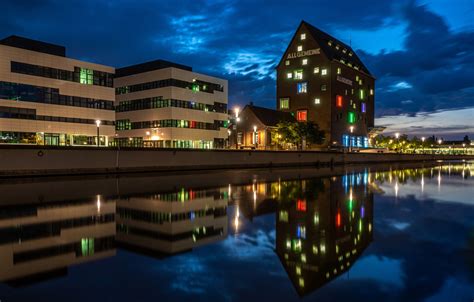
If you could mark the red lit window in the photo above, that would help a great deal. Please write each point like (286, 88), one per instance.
(338, 219)
(301, 205)
(339, 100)
(302, 115)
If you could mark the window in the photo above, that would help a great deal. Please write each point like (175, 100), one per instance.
(317, 101)
(351, 117)
(361, 94)
(284, 103)
(316, 69)
(323, 87)
(363, 107)
(371, 92)
(289, 75)
(324, 71)
(302, 87)
(339, 70)
(302, 115)
(287, 62)
(303, 36)
(299, 74)
(300, 48)
(86, 76)
(338, 101)
(305, 61)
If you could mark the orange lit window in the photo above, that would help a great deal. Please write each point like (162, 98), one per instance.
(339, 100)
(302, 115)
(338, 219)
(301, 205)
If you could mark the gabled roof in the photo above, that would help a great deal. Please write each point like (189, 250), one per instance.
(330, 51)
(270, 117)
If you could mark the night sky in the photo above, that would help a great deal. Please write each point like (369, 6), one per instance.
(421, 52)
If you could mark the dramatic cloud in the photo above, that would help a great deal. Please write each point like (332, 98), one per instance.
(419, 51)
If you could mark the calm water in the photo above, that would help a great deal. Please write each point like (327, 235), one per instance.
(380, 234)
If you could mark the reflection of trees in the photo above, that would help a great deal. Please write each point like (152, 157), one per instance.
(300, 189)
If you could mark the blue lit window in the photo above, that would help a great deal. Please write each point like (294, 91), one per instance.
(302, 87)
(363, 107)
(366, 142)
(345, 140)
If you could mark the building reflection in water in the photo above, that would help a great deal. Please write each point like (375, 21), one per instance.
(167, 223)
(38, 241)
(322, 227)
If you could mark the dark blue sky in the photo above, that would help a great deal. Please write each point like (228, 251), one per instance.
(420, 51)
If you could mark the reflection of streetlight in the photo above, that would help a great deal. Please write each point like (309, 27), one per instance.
(255, 136)
(423, 143)
(397, 135)
(98, 122)
(351, 129)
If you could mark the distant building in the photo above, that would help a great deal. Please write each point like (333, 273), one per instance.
(255, 126)
(321, 79)
(163, 104)
(49, 99)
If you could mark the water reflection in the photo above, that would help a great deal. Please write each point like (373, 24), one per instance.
(322, 224)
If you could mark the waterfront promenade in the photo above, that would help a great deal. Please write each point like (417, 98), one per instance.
(40, 160)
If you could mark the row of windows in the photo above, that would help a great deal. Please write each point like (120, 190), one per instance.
(79, 75)
(298, 74)
(159, 102)
(285, 103)
(46, 95)
(30, 114)
(194, 86)
(160, 217)
(169, 123)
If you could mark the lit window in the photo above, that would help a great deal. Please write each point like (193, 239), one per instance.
(350, 54)
(289, 75)
(86, 76)
(317, 101)
(303, 36)
(300, 48)
(305, 61)
(339, 70)
(351, 117)
(284, 103)
(338, 101)
(357, 78)
(287, 62)
(323, 87)
(371, 92)
(337, 47)
(299, 74)
(329, 43)
(344, 50)
(361, 94)
(301, 116)
(302, 87)
(316, 69)
(324, 71)
(363, 107)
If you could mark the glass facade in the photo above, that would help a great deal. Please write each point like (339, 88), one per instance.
(159, 102)
(355, 141)
(195, 86)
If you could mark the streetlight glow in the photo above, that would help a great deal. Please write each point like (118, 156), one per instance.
(98, 122)
(397, 135)
(423, 139)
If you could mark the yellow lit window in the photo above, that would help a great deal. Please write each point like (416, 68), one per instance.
(317, 101)
(289, 75)
(287, 62)
(303, 36)
(300, 48)
(305, 61)
(324, 71)
(339, 70)
(316, 69)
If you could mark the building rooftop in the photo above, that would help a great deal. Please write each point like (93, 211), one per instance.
(270, 117)
(148, 66)
(34, 45)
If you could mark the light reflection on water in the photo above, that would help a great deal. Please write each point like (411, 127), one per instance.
(363, 234)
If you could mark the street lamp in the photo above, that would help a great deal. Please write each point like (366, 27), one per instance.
(255, 136)
(98, 122)
(397, 135)
(423, 143)
(351, 129)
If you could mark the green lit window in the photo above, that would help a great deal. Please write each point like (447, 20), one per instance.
(196, 87)
(284, 103)
(361, 94)
(339, 70)
(298, 74)
(87, 246)
(351, 117)
(86, 76)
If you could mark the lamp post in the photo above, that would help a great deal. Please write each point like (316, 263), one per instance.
(98, 122)
(440, 141)
(255, 136)
(237, 120)
(464, 148)
(351, 129)
(397, 136)
(423, 143)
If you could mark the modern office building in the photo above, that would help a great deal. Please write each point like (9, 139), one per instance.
(163, 104)
(321, 79)
(39, 240)
(163, 224)
(47, 98)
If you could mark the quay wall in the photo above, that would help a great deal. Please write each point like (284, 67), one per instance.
(34, 160)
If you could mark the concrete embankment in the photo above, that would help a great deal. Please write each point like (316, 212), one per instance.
(35, 160)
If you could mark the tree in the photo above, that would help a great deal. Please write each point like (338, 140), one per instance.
(466, 140)
(299, 133)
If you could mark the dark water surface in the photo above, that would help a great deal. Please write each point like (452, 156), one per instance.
(399, 233)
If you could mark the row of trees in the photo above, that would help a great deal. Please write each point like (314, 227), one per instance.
(289, 135)
(403, 143)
